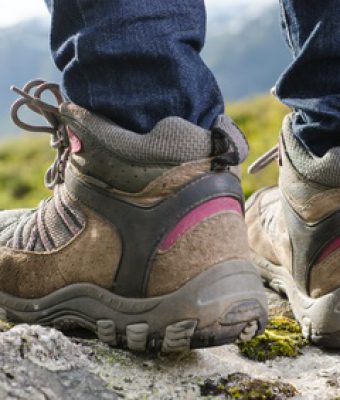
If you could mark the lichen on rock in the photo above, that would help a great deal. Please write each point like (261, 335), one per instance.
(41, 363)
(282, 338)
(5, 326)
(45, 347)
(243, 387)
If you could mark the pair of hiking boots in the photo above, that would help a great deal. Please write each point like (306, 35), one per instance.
(144, 240)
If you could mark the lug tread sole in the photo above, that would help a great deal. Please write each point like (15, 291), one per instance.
(222, 305)
(179, 336)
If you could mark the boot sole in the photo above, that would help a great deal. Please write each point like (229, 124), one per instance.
(219, 306)
(319, 318)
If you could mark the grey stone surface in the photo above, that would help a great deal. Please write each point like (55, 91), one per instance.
(42, 363)
(278, 305)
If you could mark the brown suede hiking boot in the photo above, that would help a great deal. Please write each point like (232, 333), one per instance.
(143, 241)
(294, 234)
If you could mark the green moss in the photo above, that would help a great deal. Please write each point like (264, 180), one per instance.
(107, 355)
(5, 326)
(282, 338)
(243, 387)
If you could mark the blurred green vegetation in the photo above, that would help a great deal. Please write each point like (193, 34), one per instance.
(260, 118)
(24, 160)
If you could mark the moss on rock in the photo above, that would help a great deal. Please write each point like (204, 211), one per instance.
(5, 326)
(283, 337)
(243, 387)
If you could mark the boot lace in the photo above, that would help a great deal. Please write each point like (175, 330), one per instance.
(31, 97)
(267, 158)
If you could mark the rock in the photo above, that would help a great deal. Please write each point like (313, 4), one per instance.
(42, 363)
(242, 386)
(278, 305)
(30, 381)
(45, 347)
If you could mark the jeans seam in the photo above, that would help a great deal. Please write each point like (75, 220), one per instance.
(286, 27)
(82, 15)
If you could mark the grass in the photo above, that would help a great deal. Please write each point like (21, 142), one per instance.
(24, 160)
(23, 163)
(260, 118)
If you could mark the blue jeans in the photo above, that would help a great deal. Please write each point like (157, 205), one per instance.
(135, 61)
(138, 61)
(311, 84)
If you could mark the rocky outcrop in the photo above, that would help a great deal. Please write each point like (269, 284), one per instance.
(42, 363)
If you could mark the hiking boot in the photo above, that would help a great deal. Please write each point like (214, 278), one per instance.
(144, 240)
(294, 234)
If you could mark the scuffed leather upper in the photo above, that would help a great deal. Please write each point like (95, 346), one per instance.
(267, 230)
(63, 242)
(311, 202)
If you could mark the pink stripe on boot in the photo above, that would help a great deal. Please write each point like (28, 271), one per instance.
(328, 250)
(75, 143)
(197, 215)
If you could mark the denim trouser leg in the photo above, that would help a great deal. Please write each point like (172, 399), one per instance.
(311, 84)
(135, 61)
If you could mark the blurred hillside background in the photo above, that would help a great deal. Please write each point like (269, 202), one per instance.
(244, 49)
